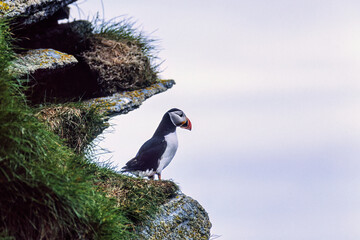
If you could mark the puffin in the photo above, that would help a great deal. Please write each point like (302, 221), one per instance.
(157, 152)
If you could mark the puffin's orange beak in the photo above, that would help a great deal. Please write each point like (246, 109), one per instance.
(186, 124)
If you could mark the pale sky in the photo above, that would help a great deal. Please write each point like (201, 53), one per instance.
(272, 89)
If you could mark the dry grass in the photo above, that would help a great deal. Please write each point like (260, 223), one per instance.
(76, 124)
(118, 65)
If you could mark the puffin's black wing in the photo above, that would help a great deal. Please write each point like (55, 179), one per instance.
(148, 156)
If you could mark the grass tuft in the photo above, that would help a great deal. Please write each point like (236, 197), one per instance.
(124, 30)
(76, 123)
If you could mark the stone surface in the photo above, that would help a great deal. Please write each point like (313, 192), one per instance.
(52, 76)
(123, 102)
(71, 38)
(41, 59)
(180, 218)
(31, 11)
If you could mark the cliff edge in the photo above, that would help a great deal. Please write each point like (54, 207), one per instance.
(75, 76)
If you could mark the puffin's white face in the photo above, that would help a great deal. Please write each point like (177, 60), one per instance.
(179, 119)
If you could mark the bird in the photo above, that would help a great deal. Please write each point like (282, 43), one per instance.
(157, 152)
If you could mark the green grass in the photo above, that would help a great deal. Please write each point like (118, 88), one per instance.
(45, 187)
(50, 191)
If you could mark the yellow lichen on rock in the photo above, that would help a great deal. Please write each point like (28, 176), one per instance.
(4, 7)
(126, 101)
(36, 59)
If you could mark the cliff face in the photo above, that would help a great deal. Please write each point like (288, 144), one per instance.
(63, 62)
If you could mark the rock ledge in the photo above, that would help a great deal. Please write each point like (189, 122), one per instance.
(123, 102)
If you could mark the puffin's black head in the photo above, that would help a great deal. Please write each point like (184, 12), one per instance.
(179, 119)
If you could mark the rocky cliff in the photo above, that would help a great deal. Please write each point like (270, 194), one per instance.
(73, 62)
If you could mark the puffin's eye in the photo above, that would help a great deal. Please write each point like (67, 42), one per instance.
(181, 114)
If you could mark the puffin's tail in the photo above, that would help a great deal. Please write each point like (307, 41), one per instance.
(125, 169)
(129, 166)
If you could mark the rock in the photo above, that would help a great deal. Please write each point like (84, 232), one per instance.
(26, 12)
(53, 76)
(41, 60)
(71, 38)
(180, 218)
(125, 101)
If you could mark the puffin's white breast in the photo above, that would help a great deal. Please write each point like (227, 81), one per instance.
(171, 147)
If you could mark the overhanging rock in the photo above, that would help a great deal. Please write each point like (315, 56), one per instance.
(123, 102)
(26, 12)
